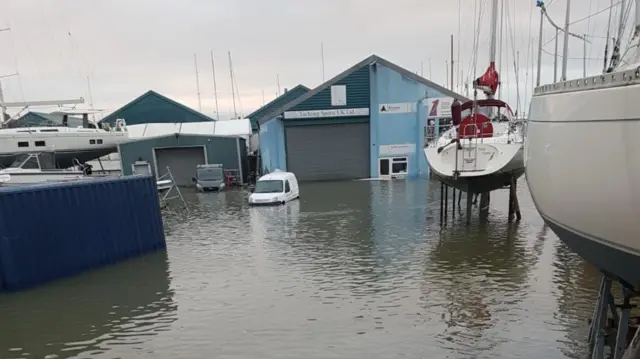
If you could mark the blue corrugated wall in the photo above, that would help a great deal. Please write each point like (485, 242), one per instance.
(391, 87)
(272, 146)
(56, 230)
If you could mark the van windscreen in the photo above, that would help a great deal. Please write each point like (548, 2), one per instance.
(210, 174)
(269, 186)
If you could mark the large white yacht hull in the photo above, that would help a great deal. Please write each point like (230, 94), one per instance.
(492, 167)
(68, 143)
(584, 174)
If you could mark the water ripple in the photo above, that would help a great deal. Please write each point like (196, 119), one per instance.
(353, 269)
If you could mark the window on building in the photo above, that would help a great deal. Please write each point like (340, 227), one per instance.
(287, 188)
(92, 142)
(40, 144)
(23, 144)
(399, 165)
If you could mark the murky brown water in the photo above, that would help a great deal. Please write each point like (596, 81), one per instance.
(352, 270)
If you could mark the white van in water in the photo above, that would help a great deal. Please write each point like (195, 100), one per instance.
(276, 187)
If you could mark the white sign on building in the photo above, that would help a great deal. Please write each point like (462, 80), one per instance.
(439, 107)
(347, 112)
(397, 149)
(339, 95)
(407, 107)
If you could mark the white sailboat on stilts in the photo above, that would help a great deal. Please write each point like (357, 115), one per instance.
(483, 151)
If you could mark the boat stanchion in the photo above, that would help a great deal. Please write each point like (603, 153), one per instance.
(618, 332)
(453, 204)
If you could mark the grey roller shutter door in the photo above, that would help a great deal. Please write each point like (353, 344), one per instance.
(182, 162)
(328, 152)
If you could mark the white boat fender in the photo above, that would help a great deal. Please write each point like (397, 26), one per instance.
(5, 178)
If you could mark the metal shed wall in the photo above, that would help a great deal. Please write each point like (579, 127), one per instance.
(328, 152)
(228, 151)
(80, 225)
(331, 148)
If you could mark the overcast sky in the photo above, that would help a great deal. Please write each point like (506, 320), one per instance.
(126, 47)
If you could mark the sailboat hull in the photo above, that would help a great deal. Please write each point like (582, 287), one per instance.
(583, 174)
(493, 166)
(64, 159)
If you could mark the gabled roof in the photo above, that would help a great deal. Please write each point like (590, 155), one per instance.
(114, 115)
(283, 99)
(368, 61)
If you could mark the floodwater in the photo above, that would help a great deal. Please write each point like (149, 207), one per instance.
(352, 270)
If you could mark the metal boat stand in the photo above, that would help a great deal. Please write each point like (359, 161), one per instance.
(164, 199)
(619, 332)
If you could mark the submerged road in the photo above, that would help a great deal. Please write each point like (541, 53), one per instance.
(352, 270)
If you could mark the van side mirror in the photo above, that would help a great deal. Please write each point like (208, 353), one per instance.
(252, 190)
(194, 180)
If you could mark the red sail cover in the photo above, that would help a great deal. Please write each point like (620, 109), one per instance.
(489, 81)
(476, 126)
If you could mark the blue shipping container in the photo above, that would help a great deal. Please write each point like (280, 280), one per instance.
(49, 231)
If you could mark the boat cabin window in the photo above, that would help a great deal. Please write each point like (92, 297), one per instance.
(30, 163)
(40, 144)
(92, 142)
(47, 160)
(269, 186)
(99, 141)
(49, 130)
(287, 188)
(23, 144)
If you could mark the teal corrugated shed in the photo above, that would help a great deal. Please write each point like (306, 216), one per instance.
(356, 77)
(357, 83)
(219, 150)
(153, 107)
(279, 101)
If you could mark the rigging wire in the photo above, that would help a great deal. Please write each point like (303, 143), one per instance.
(572, 58)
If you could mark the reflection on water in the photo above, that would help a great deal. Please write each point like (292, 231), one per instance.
(352, 269)
(112, 307)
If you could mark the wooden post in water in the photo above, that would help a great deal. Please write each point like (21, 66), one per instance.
(469, 203)
(446, 201)
(484, 203)
(441, 201)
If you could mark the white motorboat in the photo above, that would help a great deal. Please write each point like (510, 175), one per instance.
(483, 151)
(32, 168)
(581, 167)
(80, 144)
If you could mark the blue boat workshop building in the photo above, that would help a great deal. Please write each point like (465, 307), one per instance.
(367, 122)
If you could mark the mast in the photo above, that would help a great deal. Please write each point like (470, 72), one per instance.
(494, 31)
(565, 50)
(233, 91)
(452, 64)
(540, 4)
(195, 61)
(490, 80)
(215, 87)
(322, 58)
